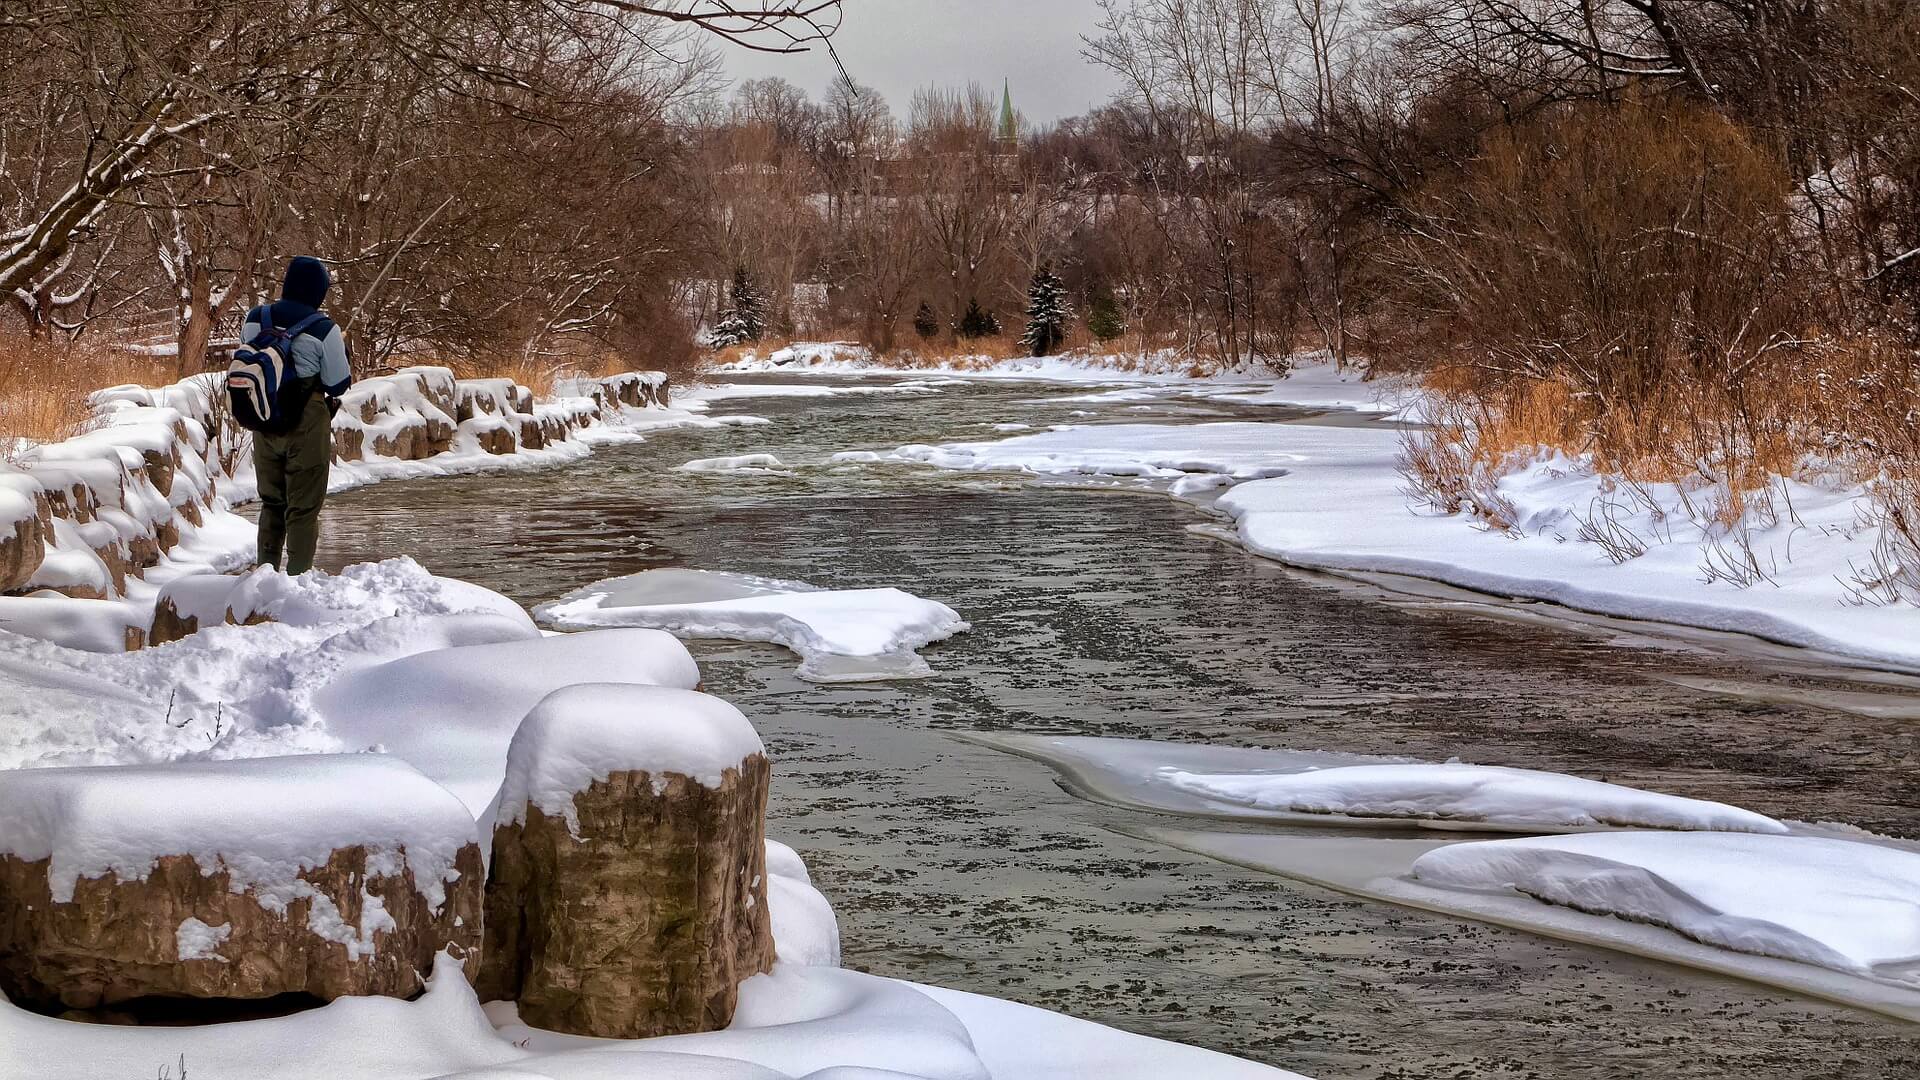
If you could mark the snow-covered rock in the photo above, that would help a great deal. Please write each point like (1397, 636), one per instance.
(841, 635)
(325, 875)
(627, 893)
(452, 712)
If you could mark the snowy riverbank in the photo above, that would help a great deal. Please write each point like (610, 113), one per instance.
(1330, 496)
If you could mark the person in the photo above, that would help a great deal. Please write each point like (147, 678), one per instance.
(292, 468)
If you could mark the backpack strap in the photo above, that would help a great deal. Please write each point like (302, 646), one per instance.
(265, 311)
(304, 325)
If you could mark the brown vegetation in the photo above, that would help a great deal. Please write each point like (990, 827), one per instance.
(45, 386)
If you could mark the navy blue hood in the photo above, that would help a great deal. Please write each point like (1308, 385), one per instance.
(307, 281)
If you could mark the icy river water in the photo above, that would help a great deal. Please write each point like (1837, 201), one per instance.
(1103, 614)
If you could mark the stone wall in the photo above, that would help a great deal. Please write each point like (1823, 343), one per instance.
(82, 517)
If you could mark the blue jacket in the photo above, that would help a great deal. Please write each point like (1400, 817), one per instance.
(322, 350)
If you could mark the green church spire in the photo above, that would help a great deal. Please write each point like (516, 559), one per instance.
(1008, 132)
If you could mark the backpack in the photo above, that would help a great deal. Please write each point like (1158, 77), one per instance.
(263, 389)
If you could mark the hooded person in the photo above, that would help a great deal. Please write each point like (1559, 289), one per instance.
(292, 468)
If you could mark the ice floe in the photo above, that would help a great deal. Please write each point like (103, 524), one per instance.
(1320, 788)
(841, 635)
(1840, 904)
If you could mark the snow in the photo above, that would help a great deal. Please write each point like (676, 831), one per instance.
(846, 358)
(1020, 1042)
(1521, 799)
(586, 732)
(231, 691)
(1853, 907)
(1311, 787)
(195, 940)
(452, 712)
(805, 930)
(879, 629)
(1379, 868)
(262, 820)
(742, 464)
(1235, 451)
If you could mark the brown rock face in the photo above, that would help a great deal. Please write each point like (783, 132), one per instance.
(168, 624)
(406, 443)
(118, 941)
(21, 551)
(349, 443)
(533, 435)
(647, 921)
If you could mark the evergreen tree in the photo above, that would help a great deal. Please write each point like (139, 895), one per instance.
(746, 316)
(1104, 320)
(977, 323)
(925, 323)
(1047, 313)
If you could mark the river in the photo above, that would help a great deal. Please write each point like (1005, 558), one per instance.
(1102, 613)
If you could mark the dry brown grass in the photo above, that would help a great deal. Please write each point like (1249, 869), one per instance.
(1834, 411)
(537, 375)
(44, 385)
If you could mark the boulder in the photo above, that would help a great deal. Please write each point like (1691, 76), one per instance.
(439, 435)
(627, 894)
(533, 435)
(188, 604)
(406, 441)
(23, 542)
(326, 876)
(160, 465)
(491, 433)
(349, 442)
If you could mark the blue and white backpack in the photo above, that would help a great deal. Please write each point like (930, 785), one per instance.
(266, 393)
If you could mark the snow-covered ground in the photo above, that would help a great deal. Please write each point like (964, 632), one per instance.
(1613, 900)
(841, 635)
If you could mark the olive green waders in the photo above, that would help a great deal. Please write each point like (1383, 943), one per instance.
(292, 471)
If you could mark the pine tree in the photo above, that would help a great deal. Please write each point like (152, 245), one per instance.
(925, 323)
(748, 304)
(1104, 320)
(1047, 314)
(746, 316)
(977, 323)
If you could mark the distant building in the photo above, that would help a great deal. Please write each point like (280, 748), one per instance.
(1007, 135)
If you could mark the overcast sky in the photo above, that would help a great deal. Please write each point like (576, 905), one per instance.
(899, 46)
